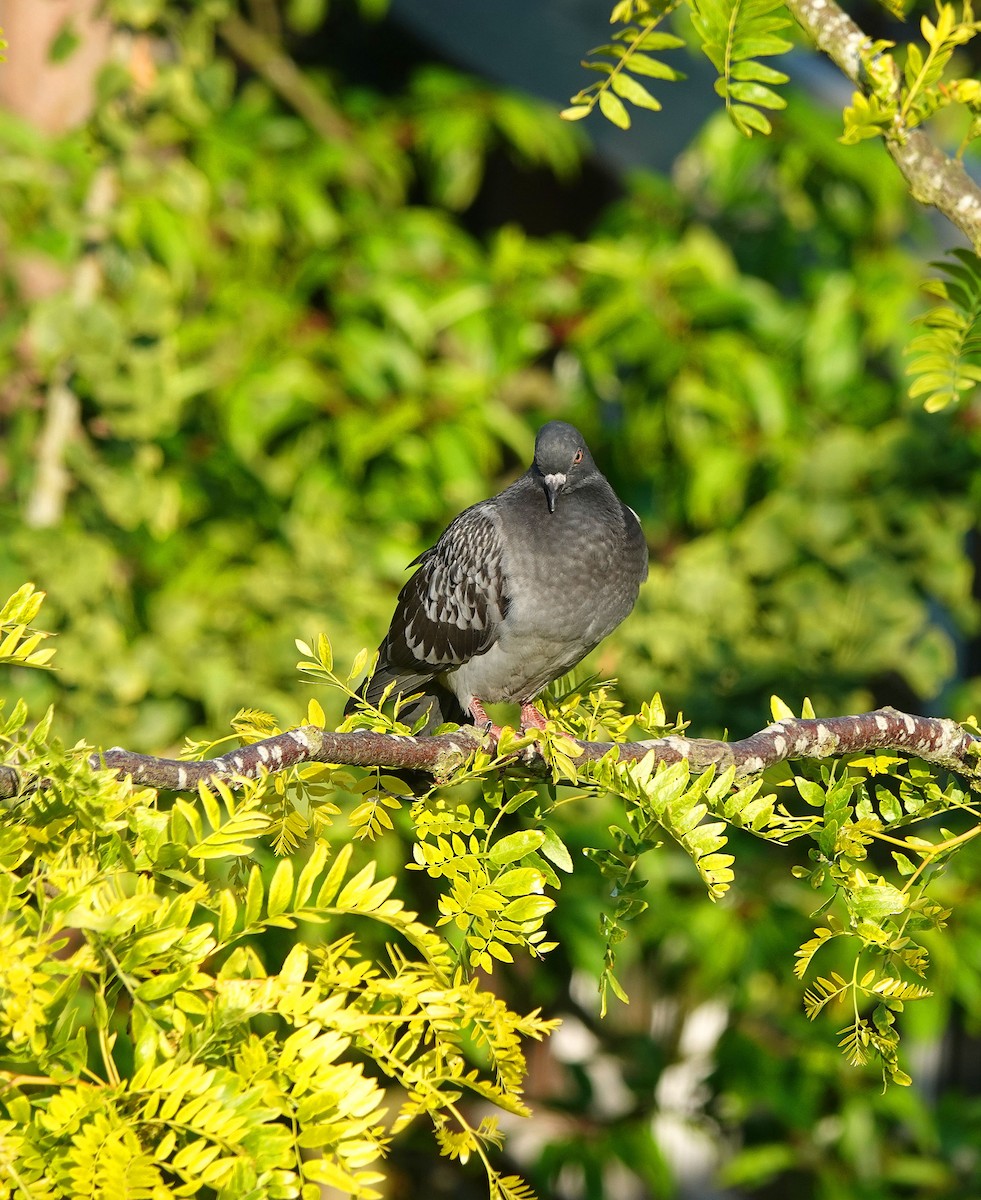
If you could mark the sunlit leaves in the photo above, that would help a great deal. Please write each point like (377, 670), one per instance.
(922, 94)
(19, 642)
(208, 1121)
(881, 921)
(620, 61)
(495, 888)
(229, 1069)
(867, 117)
(894, 98)
(670, 802)
(234, 821)
(658, 802)
(735, 35)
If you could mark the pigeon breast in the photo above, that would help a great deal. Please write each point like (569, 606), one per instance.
(571, 578)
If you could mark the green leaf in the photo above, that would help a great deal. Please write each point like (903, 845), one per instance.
(626, 86)
(556, 851)
(756, 93)
(519, 882)
(876, 901)
(228, 840)
(227, 914)
(812, 792)
(254, 895)
(528, 908)
(946, 357)
(515, 846)
(904, 864)
(335, 877)
(734, 34)
(658, 40)
(614, 111)
(758, 72)
(520, 799)
(280, 889)
(310, 872)
(749, 119)
(653, 68)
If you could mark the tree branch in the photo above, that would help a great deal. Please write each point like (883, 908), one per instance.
(935, 740)
(933, 177)
(45, 504)
(284, 77)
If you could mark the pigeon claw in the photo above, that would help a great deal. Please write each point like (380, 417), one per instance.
(482, 721)
(532, 717)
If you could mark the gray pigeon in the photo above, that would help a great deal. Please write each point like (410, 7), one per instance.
(518, 589)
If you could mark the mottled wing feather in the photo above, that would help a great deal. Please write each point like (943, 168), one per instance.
(453, 606)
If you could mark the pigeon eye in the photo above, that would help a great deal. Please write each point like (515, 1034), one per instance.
(578, 459)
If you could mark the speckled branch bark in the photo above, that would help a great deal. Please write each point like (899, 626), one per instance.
(933, 177)
(935, 740)
(940, 181)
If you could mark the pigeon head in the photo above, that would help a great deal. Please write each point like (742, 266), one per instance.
(562, 460)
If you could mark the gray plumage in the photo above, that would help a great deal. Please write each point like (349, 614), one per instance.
(517, 591)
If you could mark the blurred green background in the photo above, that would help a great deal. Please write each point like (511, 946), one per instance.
(265, 329)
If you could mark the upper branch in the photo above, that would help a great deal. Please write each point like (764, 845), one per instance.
(282, 74)
(933, 177)
(935, 740)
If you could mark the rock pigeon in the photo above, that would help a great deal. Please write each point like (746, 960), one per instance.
(517, 591)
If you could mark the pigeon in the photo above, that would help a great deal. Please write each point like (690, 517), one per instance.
(517, 591)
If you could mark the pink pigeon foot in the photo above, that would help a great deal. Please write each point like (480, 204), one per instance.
(531, 718)
(482, 720)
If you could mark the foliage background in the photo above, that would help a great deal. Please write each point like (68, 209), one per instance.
(263, 367)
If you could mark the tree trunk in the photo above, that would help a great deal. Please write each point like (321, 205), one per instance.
(54, 96)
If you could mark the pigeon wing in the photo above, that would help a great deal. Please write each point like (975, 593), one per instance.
(453, 606)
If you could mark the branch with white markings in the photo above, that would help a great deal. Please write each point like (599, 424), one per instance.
(935, 740)
(934, 178)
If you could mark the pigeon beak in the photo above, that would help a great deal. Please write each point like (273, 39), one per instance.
(553, 485)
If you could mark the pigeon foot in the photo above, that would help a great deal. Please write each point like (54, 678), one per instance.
(531, 718)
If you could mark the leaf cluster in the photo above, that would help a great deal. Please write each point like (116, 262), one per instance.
(733, 34)
(736, 34)
(298, 366)
(895, 98)
(946, 356)
(153, 1032)
(18, 641)
(154, 1042)
(622, 60)
(900, 97)
(881, 923)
